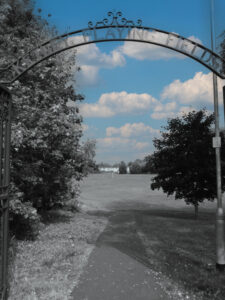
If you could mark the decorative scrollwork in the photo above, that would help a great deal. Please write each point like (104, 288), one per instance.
(115, 19)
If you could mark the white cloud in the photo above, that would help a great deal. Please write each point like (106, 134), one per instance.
(186, 96)
(135, 129)
(185, 110)
(110, 104)
(197, 89)
(162, 115)
(115, 103)
(88, 75)
(119, 144)
(165, 107)
(113, 141)
(95, 110)
(164, 110)
(141, 145)
(143, 51)
(158, 115)
(90, 59)
(91, 55)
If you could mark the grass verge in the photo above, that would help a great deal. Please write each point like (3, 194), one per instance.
(183, 251)
(49, 268)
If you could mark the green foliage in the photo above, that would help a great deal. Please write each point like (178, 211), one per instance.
(122, 168)
(149, 166)
(185, 159)
(136, 167)
(47, 158)
(88, 149)
(24, 220)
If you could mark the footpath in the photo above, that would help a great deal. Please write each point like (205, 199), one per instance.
(113, 271)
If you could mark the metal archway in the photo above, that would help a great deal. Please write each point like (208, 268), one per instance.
(113, 28)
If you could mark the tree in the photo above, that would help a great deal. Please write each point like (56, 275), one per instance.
(136, 167)
(149, 166)
(122, 168)
(46, 153)
(185, 159)
(88, 149)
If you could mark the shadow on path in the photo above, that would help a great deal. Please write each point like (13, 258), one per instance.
(118, 267)
(125, 226)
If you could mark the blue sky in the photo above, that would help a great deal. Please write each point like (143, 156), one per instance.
(131, 89)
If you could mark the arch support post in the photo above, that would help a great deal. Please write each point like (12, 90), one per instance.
(220, 253)
(5, 136)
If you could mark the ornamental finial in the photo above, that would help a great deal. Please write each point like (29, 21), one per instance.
(115, 19)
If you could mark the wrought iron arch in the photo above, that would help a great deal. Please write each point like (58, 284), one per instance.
(114, 28)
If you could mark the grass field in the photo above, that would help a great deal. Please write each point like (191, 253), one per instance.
(160, 232)
(111, 192)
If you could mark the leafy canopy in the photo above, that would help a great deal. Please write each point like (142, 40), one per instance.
(47, 157)
(185, 160)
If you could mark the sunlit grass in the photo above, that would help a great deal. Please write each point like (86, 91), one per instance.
(49, 267)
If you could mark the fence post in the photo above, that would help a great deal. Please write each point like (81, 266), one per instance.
(5, 136)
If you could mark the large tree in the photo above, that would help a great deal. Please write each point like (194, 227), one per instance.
(46, 131)
(185, 160)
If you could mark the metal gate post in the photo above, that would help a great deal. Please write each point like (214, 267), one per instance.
(5, 134)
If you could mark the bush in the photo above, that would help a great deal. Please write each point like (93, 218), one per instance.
(122, 168)
(135, 168)
(23, 218)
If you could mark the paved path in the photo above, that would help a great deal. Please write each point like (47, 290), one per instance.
(116, 269)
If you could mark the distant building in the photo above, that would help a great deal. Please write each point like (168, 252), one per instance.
(112, 170)
(109, 169)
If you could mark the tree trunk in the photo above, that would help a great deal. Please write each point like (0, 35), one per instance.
(196, 211)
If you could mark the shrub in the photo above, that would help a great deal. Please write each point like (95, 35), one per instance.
(23, 218)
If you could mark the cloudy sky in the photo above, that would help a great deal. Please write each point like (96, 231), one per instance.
(132, 88)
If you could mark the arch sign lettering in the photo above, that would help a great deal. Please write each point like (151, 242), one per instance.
(114, 28)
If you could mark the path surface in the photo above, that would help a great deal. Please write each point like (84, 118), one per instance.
(112, 275)
(118, 267)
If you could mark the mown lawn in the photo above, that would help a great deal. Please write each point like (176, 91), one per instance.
(183, 250)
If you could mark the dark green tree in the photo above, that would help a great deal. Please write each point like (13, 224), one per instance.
(185, 159)
(136, 167)
(122, 168)
(89, 152)
(47, 158)
(149, 166)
